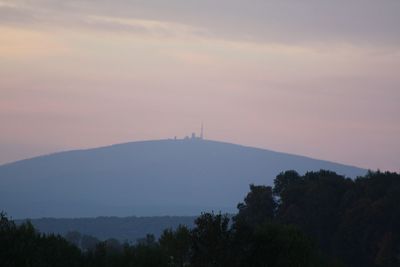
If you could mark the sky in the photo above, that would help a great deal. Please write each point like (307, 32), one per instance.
(317, 78)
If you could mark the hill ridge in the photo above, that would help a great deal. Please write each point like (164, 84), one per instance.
(176, 140)
(152, 177)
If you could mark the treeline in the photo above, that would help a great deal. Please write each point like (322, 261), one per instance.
(316, 219)
(355, 221)
(123, 229)
(212, 242)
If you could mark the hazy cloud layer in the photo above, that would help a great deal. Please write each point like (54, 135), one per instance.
(367, 22)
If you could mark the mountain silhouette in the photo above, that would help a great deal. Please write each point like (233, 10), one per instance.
(148, 178)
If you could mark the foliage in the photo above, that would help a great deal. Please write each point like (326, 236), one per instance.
(177, 245)
(24, 246)
(210, 240)
(355, 221)
(316, 219)
(258, 207)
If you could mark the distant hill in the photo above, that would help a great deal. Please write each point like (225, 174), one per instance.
(122, 228)
(149, 178)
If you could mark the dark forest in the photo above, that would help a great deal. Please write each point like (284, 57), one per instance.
(316, 219)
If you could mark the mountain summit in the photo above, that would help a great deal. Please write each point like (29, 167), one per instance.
(162, 177)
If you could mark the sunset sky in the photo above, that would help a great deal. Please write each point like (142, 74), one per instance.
(316, 78)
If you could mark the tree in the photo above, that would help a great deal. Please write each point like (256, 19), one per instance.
(284, 180)
(176, 245)
(280, 246)
(74, 237)
(88, 242)
(259, 206)
(211, 240)
(24, 246)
